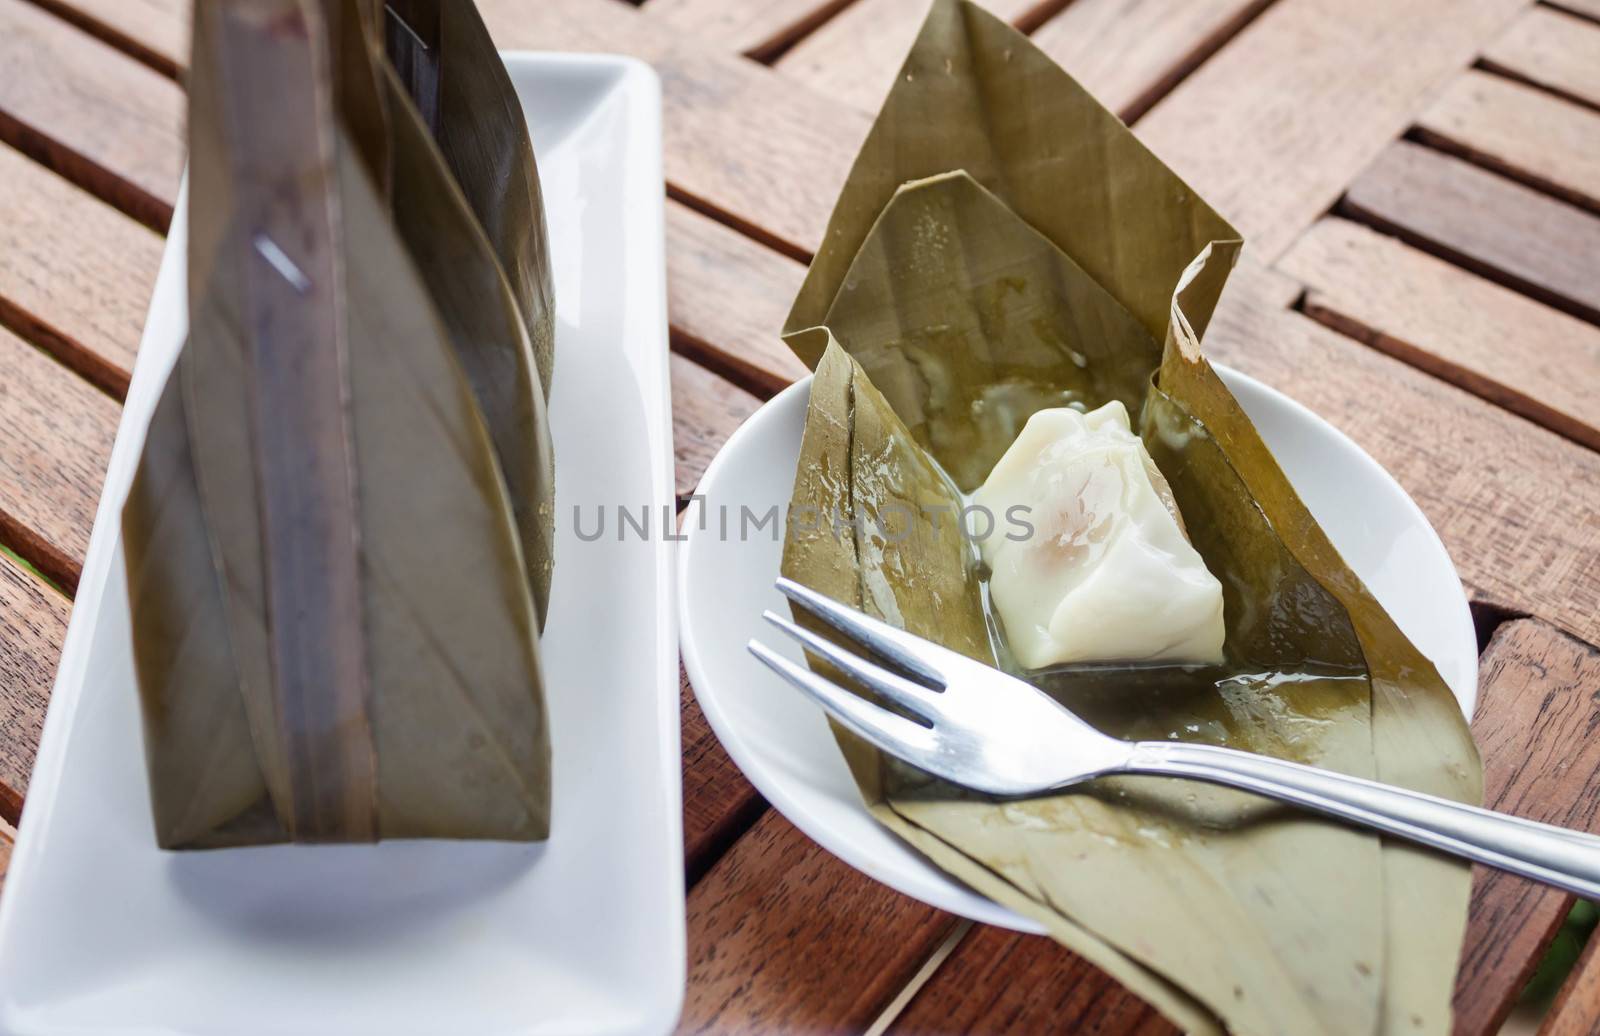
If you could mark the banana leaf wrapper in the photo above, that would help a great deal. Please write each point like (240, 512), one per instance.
(335, 630)
(442, 54)
(474, 163)
(1005, 244)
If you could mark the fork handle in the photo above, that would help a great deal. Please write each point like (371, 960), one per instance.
(1566, 859)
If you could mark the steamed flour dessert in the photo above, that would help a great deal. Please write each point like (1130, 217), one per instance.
(1007, 270)
(339, 535)
(1104, 570)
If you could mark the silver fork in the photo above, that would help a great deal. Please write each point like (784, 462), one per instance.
(999, 735)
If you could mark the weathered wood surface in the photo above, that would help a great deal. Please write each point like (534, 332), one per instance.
(75, 275)
(154, 31)
(1518, 507)
(783, 937)
(1536, 724)
(1535, 244)
(1273, 127)
(1519, 131)
(726, 298)
(1553, 49)
(1133, 52)
(854, 57)
(1453, 324)
(706, 409)
(998, 982)
(1273, 113)
(33, 622)
(58, 433)
(84, 109)
(763, 153)
(719, 805)
(758, 28)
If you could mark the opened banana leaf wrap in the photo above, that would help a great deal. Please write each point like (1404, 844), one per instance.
(339, 536)
(1005, 244)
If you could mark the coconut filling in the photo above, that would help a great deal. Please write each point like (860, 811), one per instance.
(1090, 561)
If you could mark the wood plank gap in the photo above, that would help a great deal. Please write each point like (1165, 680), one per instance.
(734, 826)
(107, 34)
(1588, 10)
(743, 226)
(1030, 20)
(1487, 618)
(1494, 68)
(54, 564)
(61, 347)
(1443, 144)
(1202, 51)
(902, 1000)
(1484, 388)
(1357, 213)
(77, 168)
(7, 554)
(752, 380)
(774, 47)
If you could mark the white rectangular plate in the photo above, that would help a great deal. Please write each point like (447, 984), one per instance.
(100, 931)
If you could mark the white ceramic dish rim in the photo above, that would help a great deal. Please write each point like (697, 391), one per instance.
(647, 354)
(945, 892)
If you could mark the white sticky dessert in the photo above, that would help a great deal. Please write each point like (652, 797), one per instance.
(1108, 573)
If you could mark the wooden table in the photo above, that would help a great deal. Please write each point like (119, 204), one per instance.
(1419, 181)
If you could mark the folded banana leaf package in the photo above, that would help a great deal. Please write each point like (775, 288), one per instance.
(1005, 246)
(339, 536)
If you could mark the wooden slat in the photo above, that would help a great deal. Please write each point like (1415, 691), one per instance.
(55, 439)
(1518, 507)
(1587, 8)
(1535, 728)
(783, 937)
(765, 154)
(727, 298)
(1553, 49)
(1497, 344)
(758, 28)
(1130, 53)
(75, 274)
(1278, 122)
(855, 56)
(1507, 232)
(719, 805)
(154, 31)
(1576, 1011)
(33, 623)
(1521, 132)
(705, 411)
(90, 112)
(998, 982)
